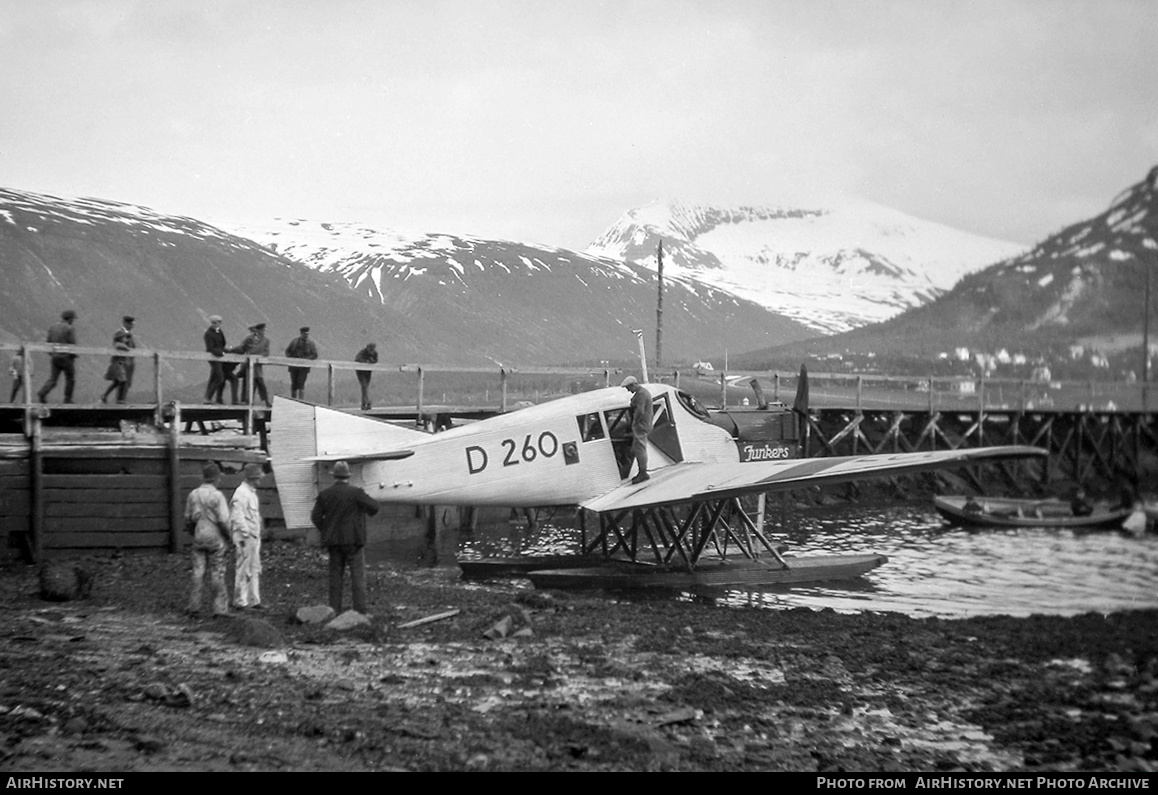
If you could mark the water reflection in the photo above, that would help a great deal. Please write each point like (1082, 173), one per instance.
(933, 570)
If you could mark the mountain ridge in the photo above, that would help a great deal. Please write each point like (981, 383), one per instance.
(833, 268)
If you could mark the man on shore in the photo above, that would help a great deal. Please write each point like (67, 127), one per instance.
(207, 511)
(245, 524)
(640, 417)
(62, 333)
(301, 348)
(340, 515)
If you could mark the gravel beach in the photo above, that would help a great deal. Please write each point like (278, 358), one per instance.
(510, 678)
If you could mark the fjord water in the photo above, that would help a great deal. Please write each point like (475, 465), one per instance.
(933, 570)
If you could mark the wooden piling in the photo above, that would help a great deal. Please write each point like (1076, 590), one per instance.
(36, 474)
(176, 514)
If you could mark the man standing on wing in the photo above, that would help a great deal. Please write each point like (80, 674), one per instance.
(340, 515)
(245, 524)
(640, 416)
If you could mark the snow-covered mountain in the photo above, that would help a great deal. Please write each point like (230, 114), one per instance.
(534, 293)
(430, 298)
(832, 268)
(1074, 301)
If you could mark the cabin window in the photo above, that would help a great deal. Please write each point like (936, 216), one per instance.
(590, 428)
(618, 425)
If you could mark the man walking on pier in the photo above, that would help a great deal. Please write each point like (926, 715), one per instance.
(124, 336)
(301, 348)
(62, 333)
(340, 515)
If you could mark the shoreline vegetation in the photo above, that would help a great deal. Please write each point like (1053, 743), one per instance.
(516, 679)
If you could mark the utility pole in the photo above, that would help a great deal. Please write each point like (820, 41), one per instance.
(659, 311)
(1146, 326)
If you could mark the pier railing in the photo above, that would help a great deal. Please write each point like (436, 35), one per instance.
(171, 378)
(167, 382)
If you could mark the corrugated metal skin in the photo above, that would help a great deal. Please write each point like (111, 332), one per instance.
(293, 437)
(522, 450)
(524, 464)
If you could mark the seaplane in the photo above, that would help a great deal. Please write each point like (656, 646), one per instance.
(687, 523)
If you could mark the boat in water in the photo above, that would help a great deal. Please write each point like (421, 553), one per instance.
(1008, 512)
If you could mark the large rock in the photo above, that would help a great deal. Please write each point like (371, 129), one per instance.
(258, 633)
(62, 582)
(317, 614)
(348, 620)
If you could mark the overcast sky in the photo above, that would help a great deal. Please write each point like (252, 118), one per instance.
(544, 120)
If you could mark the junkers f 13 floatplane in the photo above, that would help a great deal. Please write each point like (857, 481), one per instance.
(676, 528)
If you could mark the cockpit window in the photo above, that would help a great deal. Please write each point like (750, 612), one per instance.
(590, 428)
(693, 405)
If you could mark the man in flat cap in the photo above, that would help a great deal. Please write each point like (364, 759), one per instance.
(256, 344)
(208, 514)
(301, 348)
(62, 333)
(640, 415)
(245, 524)
(340, 515)
(120, 372)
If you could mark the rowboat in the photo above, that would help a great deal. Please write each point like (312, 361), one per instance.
(1005, 512)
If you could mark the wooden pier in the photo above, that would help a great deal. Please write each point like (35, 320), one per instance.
(90, 476)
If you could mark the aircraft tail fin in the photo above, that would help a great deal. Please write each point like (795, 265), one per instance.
(302, 434)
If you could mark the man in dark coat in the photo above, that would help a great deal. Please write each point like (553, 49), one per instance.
(368, 355)
(340, 515)
(640, 415)
(215, 345)
(62, 333)
(124, 337)
(301, 348)
(256, 344)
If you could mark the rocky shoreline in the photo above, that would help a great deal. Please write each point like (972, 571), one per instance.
(523, 680)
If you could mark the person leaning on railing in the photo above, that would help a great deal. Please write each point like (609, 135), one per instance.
(368, 355)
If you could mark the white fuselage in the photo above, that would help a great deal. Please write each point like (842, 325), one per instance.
(556, 453)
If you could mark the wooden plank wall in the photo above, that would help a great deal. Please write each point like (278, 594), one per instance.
(15, 505)
(111, 498)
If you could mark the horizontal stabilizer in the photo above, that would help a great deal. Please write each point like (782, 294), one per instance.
(303, 435)
(361, 458)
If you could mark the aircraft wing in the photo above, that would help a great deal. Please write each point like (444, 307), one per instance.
(693, 481)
